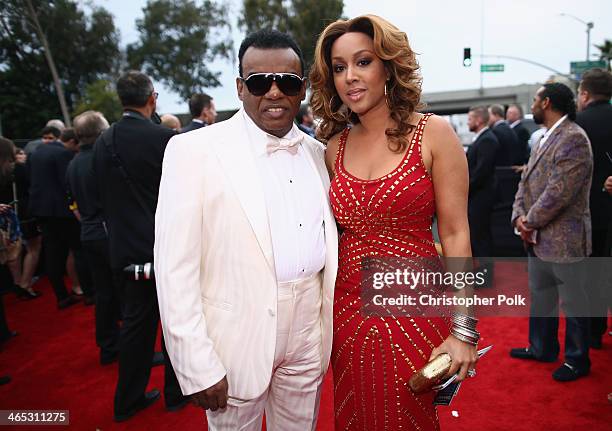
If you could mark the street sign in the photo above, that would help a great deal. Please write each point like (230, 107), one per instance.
(491, 67)
(579, 67)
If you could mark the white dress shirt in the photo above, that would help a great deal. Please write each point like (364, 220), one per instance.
(552, 129)
(294, 204)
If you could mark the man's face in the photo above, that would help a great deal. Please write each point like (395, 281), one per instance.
(538, 106)
(48, 137)
(473, 121)
(308, 119)
(513, 114)
(210, 113)
(492, 118)
(274, 111)
(71, 145)
(152, 102)
(583, 97)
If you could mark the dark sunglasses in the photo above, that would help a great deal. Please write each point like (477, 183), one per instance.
(260, 83)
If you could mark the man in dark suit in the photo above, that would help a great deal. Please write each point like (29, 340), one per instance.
(509, 153)
(203, 112)
(88, 126)
(514, 117)
(305, 120)
(127, 165)
(481, 155)
(551, 212)
(595, 117)
(49, 204)
(51, 132)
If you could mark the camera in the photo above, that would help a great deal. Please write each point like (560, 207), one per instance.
(138, 272)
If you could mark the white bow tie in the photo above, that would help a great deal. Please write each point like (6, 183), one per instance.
(291, 145)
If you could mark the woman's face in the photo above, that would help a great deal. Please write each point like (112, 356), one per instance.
(359, 74)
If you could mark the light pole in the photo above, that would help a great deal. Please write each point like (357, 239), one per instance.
(589, 26)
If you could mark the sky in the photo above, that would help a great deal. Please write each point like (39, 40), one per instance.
(438, 30)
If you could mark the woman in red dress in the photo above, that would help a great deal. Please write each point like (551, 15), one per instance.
(391, 169)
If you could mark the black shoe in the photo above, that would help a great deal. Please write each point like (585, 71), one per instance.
(8, 336)
(148, 399)
(158, 359)
(4, 380)
(522, 353)
(568, 373)
(66, 302)
(175, 407)
(596, 343)
(108, 358)
(89, 300)
(28, 293)
(527, 353)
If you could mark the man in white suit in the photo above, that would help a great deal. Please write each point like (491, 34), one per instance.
(246, 252)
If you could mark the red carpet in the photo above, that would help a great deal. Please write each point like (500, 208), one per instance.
(54, 365)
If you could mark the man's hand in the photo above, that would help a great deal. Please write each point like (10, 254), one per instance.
(212, 398)
(526, 232)
(608, 185)
(4, 208)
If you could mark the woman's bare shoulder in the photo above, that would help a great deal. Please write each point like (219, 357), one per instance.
(331, 152)
(439, 132)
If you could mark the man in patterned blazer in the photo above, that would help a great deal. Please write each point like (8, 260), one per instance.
(551, 212)
(246, 252)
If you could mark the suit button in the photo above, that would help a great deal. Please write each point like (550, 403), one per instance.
(271, 312)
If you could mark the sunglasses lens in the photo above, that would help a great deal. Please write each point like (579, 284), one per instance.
(259, 85)
(289, 84)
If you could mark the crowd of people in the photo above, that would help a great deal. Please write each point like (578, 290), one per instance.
(245, 237)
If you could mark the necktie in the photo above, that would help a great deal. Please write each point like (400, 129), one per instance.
(291, 145)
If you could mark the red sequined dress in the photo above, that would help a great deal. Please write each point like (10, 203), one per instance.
(374, 357)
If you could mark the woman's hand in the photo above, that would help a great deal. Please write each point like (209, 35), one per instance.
(463, 355)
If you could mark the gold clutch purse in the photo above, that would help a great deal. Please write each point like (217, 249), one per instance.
(431, 374)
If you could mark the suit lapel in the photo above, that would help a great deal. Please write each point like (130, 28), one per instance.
(238, 160)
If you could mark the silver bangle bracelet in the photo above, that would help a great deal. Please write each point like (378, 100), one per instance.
(464, 320)
(466, 332)
(465, 339)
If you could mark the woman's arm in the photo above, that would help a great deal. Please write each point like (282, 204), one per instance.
(449, 171)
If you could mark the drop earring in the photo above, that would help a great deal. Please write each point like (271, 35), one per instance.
(387, 95)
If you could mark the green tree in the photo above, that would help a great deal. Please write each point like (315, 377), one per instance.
(85, 48)
(179, 39)
(258, 14)
(605, 51)
(100, 96)
(303, 19)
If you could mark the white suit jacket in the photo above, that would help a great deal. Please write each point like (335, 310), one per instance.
(214, 262)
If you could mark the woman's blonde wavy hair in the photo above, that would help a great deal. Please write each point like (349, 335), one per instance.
(403, 88)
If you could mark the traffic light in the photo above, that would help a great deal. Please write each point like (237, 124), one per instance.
(467, 57)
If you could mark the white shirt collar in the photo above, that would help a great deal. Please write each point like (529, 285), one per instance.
(552, 129)
(259, 138)
(498, 122)
(516, 123)
(197, 120)
(484, 129)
